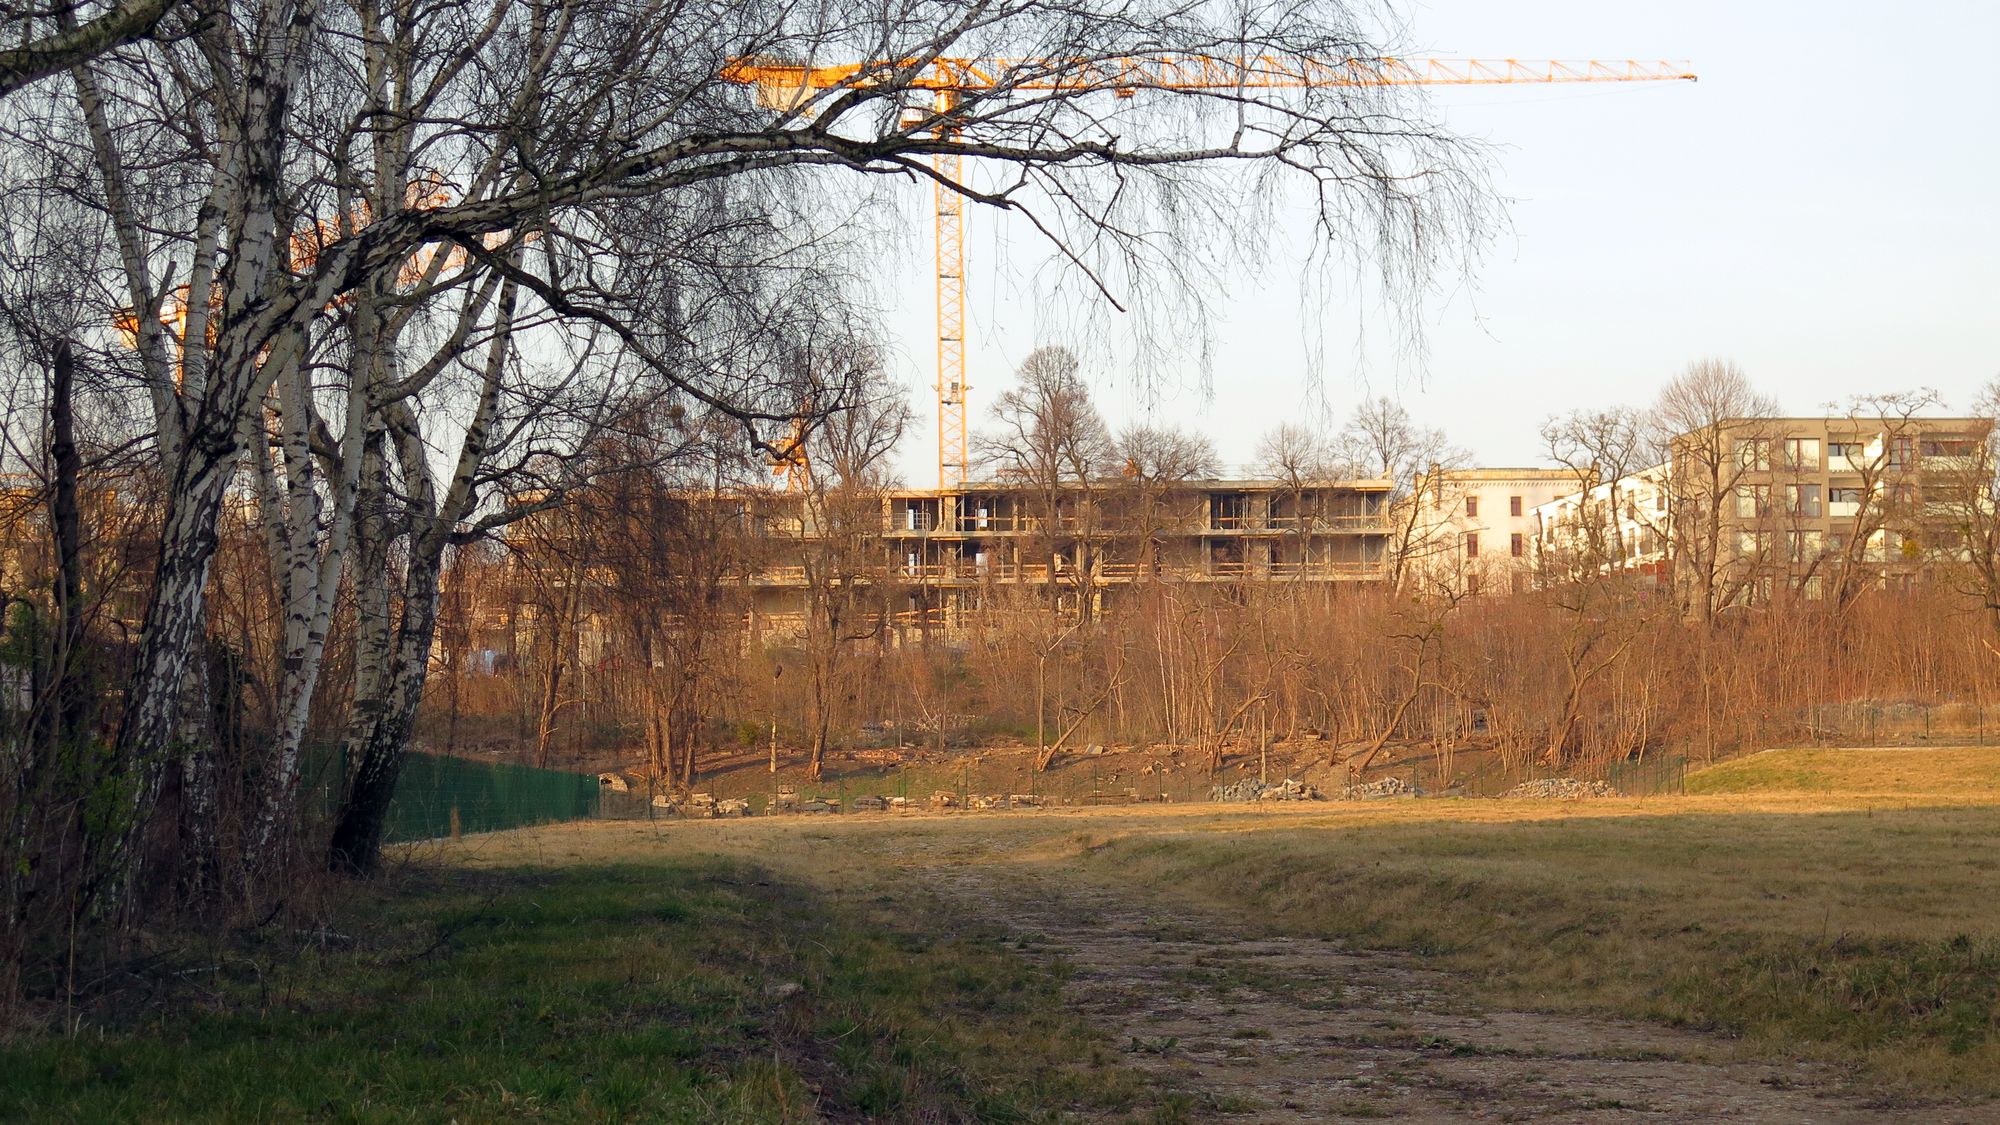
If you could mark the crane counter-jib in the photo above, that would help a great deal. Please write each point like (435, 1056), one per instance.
(1187, 72)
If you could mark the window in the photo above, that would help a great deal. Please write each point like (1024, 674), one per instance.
(1514, 506)
(1802, 453)
(1805, 546)
(1803, 499)
(1754, 454)
(1472, 584)
(1846, 455)
(1948, 445)
(1902, 452)
(1472, 507)
(1752, 501)
(1518, 544)
(1845, 501)
(1471, 544)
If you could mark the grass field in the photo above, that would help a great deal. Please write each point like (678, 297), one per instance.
(1837, 905)
(1861, 937)
(658, 990)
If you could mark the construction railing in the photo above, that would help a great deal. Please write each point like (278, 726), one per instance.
(1328, 523)
(899, 526)
(1113, 572)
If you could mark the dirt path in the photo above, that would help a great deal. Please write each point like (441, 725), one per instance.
(1292, 1030)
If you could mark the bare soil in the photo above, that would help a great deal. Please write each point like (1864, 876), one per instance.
(1275, 1029)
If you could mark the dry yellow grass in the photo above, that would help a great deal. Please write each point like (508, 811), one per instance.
(1834, 903)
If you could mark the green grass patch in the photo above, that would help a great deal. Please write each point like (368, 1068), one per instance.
(1968, 771)
(688, 991)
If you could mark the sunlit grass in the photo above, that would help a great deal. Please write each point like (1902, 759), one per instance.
(1838, 904)
(1952, 771)
(1830, 904)
(656, 991)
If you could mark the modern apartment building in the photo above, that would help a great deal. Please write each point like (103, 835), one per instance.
(1750, 507)
(1620, 525)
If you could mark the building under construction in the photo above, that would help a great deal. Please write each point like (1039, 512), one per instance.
(941, 553)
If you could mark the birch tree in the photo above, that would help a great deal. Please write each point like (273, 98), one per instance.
(269, 179)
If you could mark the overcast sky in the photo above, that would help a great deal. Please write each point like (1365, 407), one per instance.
(1822, 207)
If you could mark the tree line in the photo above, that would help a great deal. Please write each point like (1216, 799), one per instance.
(299, 302)
(1584, 662)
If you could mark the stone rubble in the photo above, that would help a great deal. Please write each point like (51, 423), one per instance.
(1250, 789)
(1380, 789)
(1561, 789)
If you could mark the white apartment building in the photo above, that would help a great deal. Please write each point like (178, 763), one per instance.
(1624, 520)
(1803, 501)
(1474, 530)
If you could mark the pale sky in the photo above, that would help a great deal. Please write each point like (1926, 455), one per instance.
(1822, 207)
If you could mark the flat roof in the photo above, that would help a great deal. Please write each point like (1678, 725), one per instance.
(1197, 484)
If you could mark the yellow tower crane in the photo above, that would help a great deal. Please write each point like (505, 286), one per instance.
(788, 86)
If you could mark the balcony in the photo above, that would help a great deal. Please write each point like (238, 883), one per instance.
(1349, 523)
(967, 573)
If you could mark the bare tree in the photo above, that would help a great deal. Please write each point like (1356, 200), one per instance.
(301, 206)
(674, 548)
(846, 601)
(1878, 439)
(1963, 501)
(1155, 462)
(1382, 441)
(1298, 457)
(1603, 448)
(1049, 437)
(1717, 430)
(56, 38)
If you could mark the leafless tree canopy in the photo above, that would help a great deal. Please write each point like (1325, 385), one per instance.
(343, 290)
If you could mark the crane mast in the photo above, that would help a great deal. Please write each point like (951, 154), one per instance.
(954, 438)
(788, 86)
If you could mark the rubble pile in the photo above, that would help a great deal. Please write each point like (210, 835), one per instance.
(1561, 789)
(701, 806)
(1250, 789)
(1378, 790)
